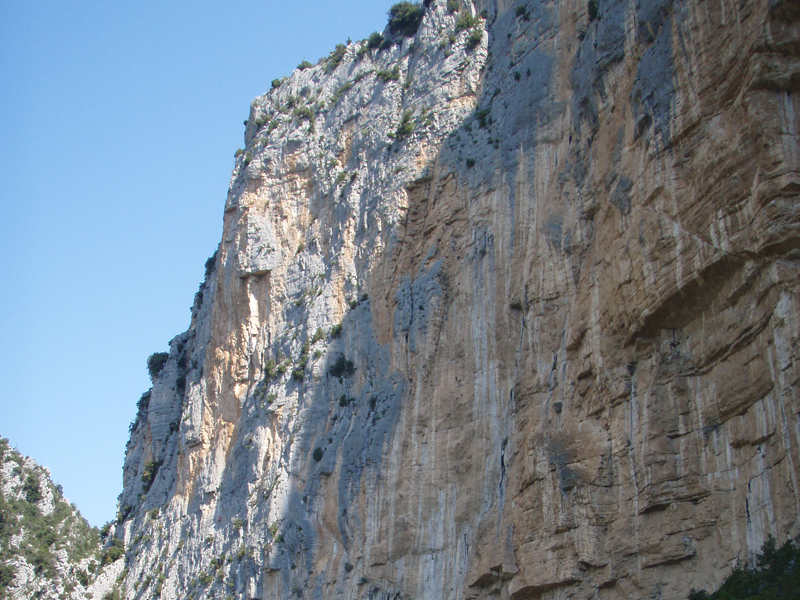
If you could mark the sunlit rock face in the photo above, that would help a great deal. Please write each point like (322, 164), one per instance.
(508, 309)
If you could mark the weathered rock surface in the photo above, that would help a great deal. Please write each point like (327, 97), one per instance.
(567, 286)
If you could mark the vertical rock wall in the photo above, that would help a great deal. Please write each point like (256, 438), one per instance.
(562, 250)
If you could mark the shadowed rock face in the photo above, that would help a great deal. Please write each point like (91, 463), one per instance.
(569, 299)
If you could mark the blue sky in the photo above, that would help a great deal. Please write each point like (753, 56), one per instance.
(118, 125)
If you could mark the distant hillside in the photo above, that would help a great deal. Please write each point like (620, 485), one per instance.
(47, 549)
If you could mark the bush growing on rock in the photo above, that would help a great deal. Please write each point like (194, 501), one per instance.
(113, 552)
(149, 472)
(374, 40)
(774, 576)
(474, 40)
(405, 18)
(155, 363)
(342, 367)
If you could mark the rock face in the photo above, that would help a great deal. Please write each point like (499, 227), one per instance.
(509, 309)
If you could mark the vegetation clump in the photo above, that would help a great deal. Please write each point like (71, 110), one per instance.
(406, 126)
(335, 58)
(775, 575)
(113, 552)
(465, 21)
(155, 363)
(342, 367)
(389, 75)
(149, 473)
(375, 40)
(405, 18)
(475, 38)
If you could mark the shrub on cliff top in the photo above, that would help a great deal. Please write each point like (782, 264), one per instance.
(375, 40)
(405, 18)
(155, 363)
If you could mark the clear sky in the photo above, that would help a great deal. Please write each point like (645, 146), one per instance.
(118, 125)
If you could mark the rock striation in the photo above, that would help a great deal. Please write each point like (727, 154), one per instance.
(506, 308)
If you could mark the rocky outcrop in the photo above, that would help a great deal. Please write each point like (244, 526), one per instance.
(47, 549)
(508, 308)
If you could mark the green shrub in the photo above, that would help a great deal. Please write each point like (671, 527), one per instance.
(345, 87)
(523, 12)
(774, 576)
(452, 6)
(342, 367)
(345, 401)
(483, 117)
(276, 83)
(465, 21)
(31, 489)
(123, 513)
(475, 38)
(304, 65)
(113, 552)
(318, 335)
(7, 575)
(374, 40)
(389, 75)
(211, 263)
(144, 401)
(270, 370)
(303, 112)
(405, 18)
(149, 472)
(155, 363)
(335, 58)
(336, 331)
(406, 126)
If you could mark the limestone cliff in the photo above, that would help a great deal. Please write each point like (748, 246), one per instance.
(506, 308)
